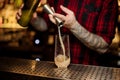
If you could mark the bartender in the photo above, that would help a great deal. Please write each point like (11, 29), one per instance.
(89, 23)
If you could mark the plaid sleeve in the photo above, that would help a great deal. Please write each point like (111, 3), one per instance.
(107, 20)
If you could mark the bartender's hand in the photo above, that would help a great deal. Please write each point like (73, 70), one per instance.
(36, 21)
(19, 13)
(38, 10)
(68, 19)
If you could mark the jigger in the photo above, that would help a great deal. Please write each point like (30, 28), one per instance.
(48, 10)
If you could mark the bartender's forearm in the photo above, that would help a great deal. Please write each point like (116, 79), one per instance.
(91, 40)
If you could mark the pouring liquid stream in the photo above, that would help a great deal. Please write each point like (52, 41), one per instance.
(62, 60)
(61, 41)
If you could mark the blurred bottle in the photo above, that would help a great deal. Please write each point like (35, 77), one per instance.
(18, 3)
(27, 11)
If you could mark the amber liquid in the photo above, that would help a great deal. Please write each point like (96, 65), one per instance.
(62, 61)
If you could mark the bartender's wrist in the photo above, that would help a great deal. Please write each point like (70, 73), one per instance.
(74, 26)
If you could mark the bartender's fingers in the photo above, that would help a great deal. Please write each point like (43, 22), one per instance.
(66, 10)
(53, 9)
(52, 18)
(60, 16)
(35, 15)
(17, 17)
(19, 12)
(43, 2)
(40, 8)
(21, 6)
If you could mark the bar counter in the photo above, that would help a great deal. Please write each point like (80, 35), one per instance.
(25, 69)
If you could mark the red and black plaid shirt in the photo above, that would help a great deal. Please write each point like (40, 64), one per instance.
(97, 16)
